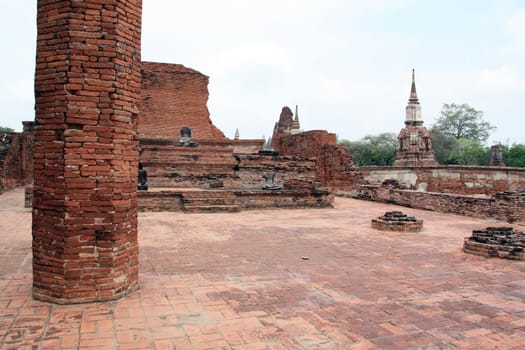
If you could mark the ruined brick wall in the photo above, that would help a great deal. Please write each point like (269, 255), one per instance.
(169, 165)
(290, 172)
(87, 85)
(16, 159)
(216, 166)
(334, 166)
(451, 179)
(233, 200)
(505, 207)
(173, 96)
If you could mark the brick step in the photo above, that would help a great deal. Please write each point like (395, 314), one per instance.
(212, 208)
(208, 194)
(208, 199)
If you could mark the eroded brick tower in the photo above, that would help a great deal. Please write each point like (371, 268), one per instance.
(87, 85)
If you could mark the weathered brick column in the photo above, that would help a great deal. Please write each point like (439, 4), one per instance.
(85, 162)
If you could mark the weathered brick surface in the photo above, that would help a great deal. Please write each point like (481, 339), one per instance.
(87, 84)
(215, 165)
(169, 165)
(334, 167)
(290, 172)
(451, 179)
(173, 96)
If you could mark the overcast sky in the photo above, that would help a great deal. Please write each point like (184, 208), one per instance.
(346, 63)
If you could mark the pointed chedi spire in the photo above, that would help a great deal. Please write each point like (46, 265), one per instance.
(413, 109)
(413, 94)
(236, 137)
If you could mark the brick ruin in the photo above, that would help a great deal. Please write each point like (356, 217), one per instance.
(172, 97)
(398, 222)
(508, 206)
(500, 242)
(87, 86)
(496, 156)
(95, 99)
(463, 180)
(414, 141)
(334, 166)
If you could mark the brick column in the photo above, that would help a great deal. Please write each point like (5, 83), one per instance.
(87, 84)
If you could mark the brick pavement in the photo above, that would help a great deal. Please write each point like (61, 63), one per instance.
(239, 281)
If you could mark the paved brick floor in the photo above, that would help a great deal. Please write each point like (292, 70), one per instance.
(239, 281)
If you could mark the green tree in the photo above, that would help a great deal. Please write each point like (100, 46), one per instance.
(469, 152)
(442, 145)
(373, 149)
(514, 155)
(5, 129)
(463, 122)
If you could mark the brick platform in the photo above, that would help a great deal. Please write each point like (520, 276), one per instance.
(501, 242)
(209, 201)
(238, 281)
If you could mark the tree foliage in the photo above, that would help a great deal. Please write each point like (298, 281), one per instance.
(463, 122)
(373, 149)
(5, 129)
(469, 152)
(443, 145)
(514, 155)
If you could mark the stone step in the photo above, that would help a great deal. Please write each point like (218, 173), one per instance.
(212, 208)
(208, 198)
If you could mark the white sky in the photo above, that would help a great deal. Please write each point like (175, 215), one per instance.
(346, 63)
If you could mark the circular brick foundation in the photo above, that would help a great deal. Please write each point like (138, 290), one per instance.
(397, 221)
(500, 242)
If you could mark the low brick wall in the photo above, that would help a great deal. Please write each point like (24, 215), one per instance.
(450, 179)
(508, 207)
(159, 201)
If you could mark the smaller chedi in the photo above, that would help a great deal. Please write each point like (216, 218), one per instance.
(414, 140)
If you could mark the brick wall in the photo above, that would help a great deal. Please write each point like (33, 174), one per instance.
(173, 96)
(507, 207)
(169, 165)
(217, 166)
(334, 167)
(290, 172)
(87, 84)
(174, 201)
(451, 179)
